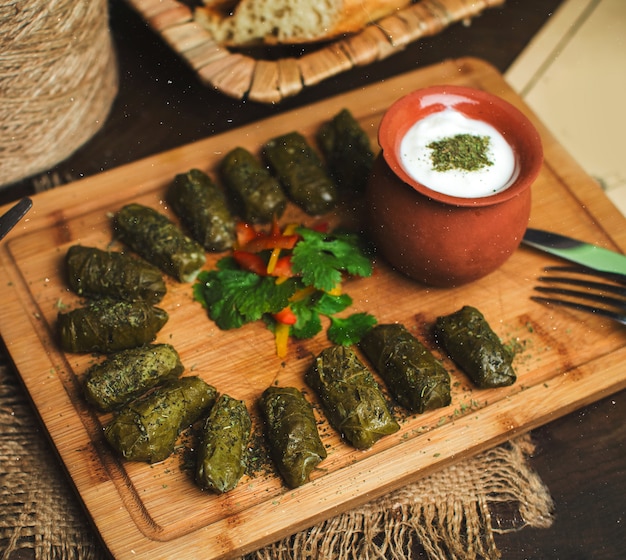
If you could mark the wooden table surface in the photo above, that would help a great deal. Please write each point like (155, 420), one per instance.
(580, 457)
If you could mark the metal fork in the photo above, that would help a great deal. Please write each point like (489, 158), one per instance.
(609, 295)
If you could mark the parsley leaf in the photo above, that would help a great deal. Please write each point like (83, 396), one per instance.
(320, 258)
(329, 305)
(308, 323)
(341, 331)
(235, 297)
(351, 329)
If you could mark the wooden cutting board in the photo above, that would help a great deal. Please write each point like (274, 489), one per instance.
(565, 360)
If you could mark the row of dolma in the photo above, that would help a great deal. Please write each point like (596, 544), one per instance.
(354, 404)
(351, 399)
(204, 211)
(258, 189)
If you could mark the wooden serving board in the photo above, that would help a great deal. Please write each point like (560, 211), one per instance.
(565, 360)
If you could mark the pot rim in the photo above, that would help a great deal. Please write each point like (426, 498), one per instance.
(517, 129)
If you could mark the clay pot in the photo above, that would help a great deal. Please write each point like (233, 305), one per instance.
(443, 240)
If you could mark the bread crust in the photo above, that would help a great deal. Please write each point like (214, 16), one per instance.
(356, 14)
(292, 21)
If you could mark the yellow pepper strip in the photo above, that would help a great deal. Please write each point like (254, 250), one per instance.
(290, 229)
(336, 291)
(301, 294)
(271, 264)
(281, 335)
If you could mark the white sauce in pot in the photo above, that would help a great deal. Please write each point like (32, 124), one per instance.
(415, 156)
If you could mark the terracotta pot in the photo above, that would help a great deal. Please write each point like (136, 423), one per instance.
(444, 240)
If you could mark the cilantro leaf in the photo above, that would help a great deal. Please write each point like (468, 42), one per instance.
(351, 329)
(235, 297)
(308, 324)
(320, 258)
(329, 305)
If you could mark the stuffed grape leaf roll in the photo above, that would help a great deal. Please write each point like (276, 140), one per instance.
(301, 173)
(292, 434)
(202, 207)
(147, 428)
(347, 150)
(129, 373)
(256, 192)
(158, 240)
(109, 326)
(353, 402)
(224, 445)
(92, 272)
(476, 348)
(415, 378)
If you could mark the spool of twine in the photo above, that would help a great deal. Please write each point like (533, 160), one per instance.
(58, 79)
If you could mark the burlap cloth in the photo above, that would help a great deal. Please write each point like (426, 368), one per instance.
(452, 514)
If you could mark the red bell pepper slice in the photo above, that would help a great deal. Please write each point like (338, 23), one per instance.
(283, 267)
(244, 233)
(250, 262)
(286, 316)
(265, 242)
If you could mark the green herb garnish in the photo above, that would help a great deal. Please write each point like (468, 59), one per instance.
(466, 152)
(290, 298)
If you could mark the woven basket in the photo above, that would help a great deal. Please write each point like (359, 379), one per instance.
(58, 79)
(270, 81)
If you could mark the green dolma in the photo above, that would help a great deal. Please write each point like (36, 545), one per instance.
(352, 400)
(292, 434)
(256, 191)
(93, 272)
(147, 429)
(301, 172)
(129, 373)
(161, 242)
(475, 348)
(224, 445)
(202, 207)
(347, 150)
(109, 326)
(415, 378)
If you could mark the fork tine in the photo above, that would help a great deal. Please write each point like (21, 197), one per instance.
(612, 276)
(592, 296)
(600, 286)
(594, 291)
(582, 307)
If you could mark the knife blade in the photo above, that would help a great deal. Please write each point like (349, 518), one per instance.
(13, 215)
(586, 254)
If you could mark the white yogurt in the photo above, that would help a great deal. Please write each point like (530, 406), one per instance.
(415, 156)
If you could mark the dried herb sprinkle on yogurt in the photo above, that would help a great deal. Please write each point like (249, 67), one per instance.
(467, 152)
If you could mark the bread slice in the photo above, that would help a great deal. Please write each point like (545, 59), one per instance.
(292, 21)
